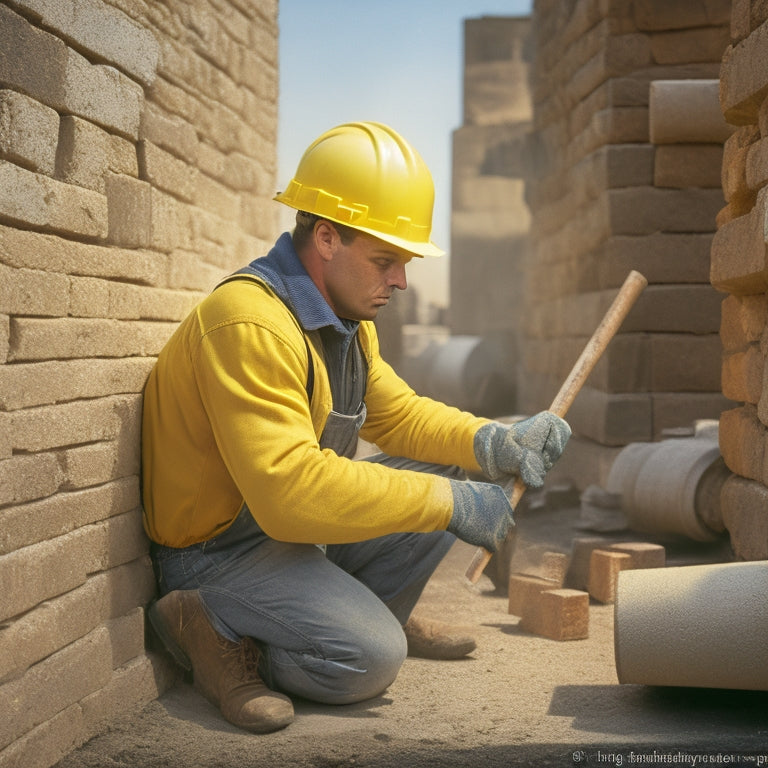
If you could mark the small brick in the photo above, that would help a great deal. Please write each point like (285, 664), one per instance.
(743, 441)
(524, 590)
(170, 132)
(130, 215)
(558, 614)
(685, 46)
(742, 375)
(743, 321)
(29, 132)
(744, 505)
(163, 170)
(643, 554)
(742, 83)
(687, 111)
(688, 165)
(126, 636)
(25, 478)
(604, 568)
(33, 292)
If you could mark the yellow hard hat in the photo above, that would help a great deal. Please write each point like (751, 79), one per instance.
(365, 175)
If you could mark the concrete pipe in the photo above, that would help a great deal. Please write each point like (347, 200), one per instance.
(671, 487)
(701, 626)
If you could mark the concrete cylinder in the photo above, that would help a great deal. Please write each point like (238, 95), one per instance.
(701, 626)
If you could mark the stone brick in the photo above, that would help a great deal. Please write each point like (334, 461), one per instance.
(604, 568)
(744, 78)
(686, 112)
(172, 222)
(117, 540)
(79, 670)
(130, 211)
(742, 375)
(31, 292)
(739, 262)
(675, 309)
(88, 297)
(61, 513)
(28, 132)
(49, 742)
(742, 442)
(187, 272)
(102, 30)
(643, 210)
(524, 591)
(558, 614)
(743, 320)
(26, 478)
(740, 22)
(34, 200)
(734, 169)
(215, 197)
(757, 165)
(170, 132)
(744, 505)
(688, 165)
(685, 362)
(5, 341)
(126, 636)
(612, 419)
(86, 153)
(103, 95)
(102, 462)
(577, 576)
(31, 384)
(163, 170)
(643, 554)
(680, 14)
(673, 410)
(690, 45)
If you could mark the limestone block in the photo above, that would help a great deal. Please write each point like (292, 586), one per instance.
(524, 590)
(31, 292)
(689, 45)
(744, 78)
(604, 568)
(25, 478)
(215, 197)
(686, 112)
(643, 554)
(170, 132)
(126, 637)
(675, 309)
(130, 213)
(39, 201)
(612, 419)
(743, 321)
(664, 15)
(79, 670)
(688, 165)
(744, 505)
(163, 170)
(742, 441)
(101, 30)
(558, 614)
(734, 170)
(101, 462)
(185, 271)
(685, 362)
(28, 132)
(65, 338)
(742, 375)
(740, 21)
(757, 165)
(103, 95)
(673, 410)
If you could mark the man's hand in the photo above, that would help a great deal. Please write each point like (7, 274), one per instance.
(482, 514)
(526, 448)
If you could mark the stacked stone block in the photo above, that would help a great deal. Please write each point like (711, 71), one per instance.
(606, 199)
(740, 270)
(137, 163)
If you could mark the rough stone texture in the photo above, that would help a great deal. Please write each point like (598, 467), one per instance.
(108, 238)
(558, 614)
(604, 569)
(744, 505)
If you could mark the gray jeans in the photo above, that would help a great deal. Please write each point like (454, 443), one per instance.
(329, 624)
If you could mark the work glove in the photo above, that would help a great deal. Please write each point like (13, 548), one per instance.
(482, 514)
(526, 448)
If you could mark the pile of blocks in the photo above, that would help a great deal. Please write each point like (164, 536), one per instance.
(546, 598)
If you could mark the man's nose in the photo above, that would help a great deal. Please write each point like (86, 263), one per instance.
(397, 277)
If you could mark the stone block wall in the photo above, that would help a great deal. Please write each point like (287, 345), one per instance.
(137, 163)
(606, 199)
(740, 270)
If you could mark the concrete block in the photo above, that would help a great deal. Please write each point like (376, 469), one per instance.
(103, 95)
(742, 375)
(525, 590)
(679, 166)
(674, 410)
(686, 46)
(744, 78)
(130, 212)
(558, 614)
(172, 222)
(612, 419)
(185, 271)
(743, 320)
(643, 554)
(29, 132)
(25, 478)
(163, 170)
(32, 292)
(170, 132)
(675, 309)
(604, 569)
(79, 670)
(215, 197)
(744, 505)
(101, 30)
(102, 462)
(89, 297)
(126, 636)
(660, 15)
(685, 362)
(34, 200)
(742, 442)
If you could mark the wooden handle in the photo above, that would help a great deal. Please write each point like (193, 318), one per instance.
(614, 317)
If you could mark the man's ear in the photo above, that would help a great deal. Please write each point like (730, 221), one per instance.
(326, 239)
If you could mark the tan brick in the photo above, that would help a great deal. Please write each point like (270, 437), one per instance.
(102, 462)
(744, 505)
(685, 362)
(131, 302)
(24, 385)
(733, 174)
(101, 30)
(5, 340)
(121, 539)
(187, 272)
(88, 297)
(32, 292)
(687, 112)
(30, 523)
(643, 554)
(28, 132)
(79, 670)
(64, 338)
(172, 222)
(743, 320)
(742, 375)
(604, 568)
(672, 410)
(742, 441)
(215, 197)
(163, 170)
(39, 201)
(170, 132)
(688, 165)
(26, 478)
(130, 211)
(686, 46)
(675, 309)
(524, 590)
(612, 419)
(49, 742)
(129, 586)
(126, 636)
(558, 614)
(663, 15)
(744, 78)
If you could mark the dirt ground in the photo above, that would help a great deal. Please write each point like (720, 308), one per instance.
(519, 700)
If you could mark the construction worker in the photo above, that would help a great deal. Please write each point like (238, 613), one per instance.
(287, 567)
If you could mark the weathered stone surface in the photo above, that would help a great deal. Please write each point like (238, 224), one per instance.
(744, 506)
(558, 614)
(742, 375)
(28, 132)
(744, 78)
(742, 442)
(604, 568)
(743, 321)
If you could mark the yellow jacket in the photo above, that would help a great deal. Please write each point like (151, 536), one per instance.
(226, 421)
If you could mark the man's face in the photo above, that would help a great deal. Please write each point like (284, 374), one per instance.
(362, 276)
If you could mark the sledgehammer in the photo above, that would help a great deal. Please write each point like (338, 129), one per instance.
(626, 297)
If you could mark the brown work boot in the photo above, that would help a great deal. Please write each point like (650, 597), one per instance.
(436, 640)
(225, 672)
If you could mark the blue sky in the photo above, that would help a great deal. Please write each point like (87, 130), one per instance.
(398, 62)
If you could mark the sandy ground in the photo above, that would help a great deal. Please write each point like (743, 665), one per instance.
(519, 700)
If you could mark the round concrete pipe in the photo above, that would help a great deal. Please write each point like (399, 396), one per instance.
(701, 626)
(667, 487)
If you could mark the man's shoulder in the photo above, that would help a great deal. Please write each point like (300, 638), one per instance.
(245, 299)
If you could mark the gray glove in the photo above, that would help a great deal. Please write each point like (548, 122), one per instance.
(527, 448)
(482, 514)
